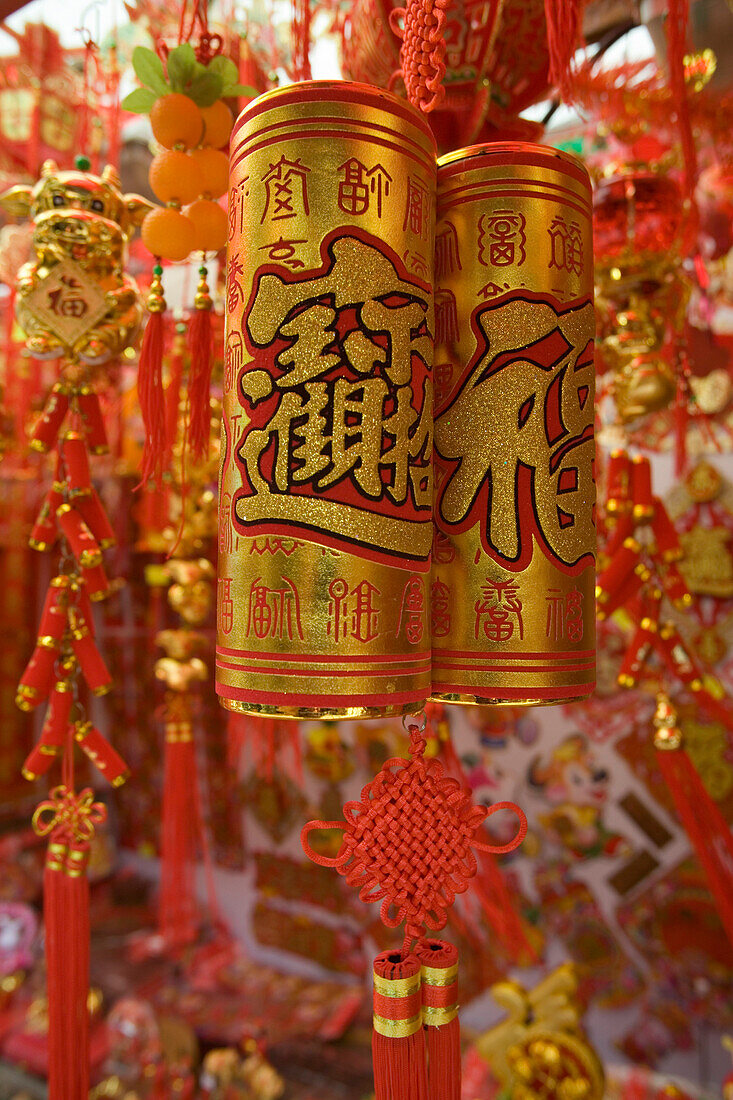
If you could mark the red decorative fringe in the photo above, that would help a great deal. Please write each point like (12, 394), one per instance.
(199, 381)
(440, 1018)
(66, 919)
(489, 885)
(177, 913)
(676, 30)
(706, 827)
(398, 1042)
(564, 35)
(172, 400)
(267, 738)
(300, 37)
(150, 395)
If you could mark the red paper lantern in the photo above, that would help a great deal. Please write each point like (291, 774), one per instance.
(635, 214)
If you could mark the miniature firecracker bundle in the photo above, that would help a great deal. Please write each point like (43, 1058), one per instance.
(409, 844)
(326, 483)
(76, 306)
(704, 823)
(639, 568)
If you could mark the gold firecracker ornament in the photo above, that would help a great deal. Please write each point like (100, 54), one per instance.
(512, 589)
(540, 1051)
(73, 300)
(326, 476)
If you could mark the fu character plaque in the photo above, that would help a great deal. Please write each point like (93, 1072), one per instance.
(326, 476)
(512, 590)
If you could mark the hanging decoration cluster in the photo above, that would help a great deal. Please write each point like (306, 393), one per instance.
(409, 843)
(77, 307)
(191, 123)
(327, 472)
(188, 577)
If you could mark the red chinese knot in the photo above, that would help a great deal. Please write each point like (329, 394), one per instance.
(408, 842)
(422, 54)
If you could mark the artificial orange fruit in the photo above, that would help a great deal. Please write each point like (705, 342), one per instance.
(213, 167)
(176, 120)
(175, 176)
(169, 234)
(210, 223)
(218, 123)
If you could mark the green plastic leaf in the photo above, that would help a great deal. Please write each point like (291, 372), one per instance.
(240, 90)
(205, 89)
(225, 68)
(181, 66)
(140, 101)
(149, 70)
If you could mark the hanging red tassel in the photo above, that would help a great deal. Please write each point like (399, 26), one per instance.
(173, 393)
(150, 382)
(439, 981)
(267, 738)
(676, 30)
(705, 825)
(564, 33)
(177, 912)
(489, 885)
(300, 36)
(398, 1042)
(68, 820)
(60, 1081)
(199, 380)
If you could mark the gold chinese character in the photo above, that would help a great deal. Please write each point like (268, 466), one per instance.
(516, 440)
(345, 404)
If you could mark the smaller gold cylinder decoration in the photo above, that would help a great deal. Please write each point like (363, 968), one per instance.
(512, 590)
(326, 479)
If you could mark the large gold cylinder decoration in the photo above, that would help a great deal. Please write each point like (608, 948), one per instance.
(512, 589)
(326, 477)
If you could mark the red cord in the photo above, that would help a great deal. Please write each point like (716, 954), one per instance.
(421, 26)
(409, 841)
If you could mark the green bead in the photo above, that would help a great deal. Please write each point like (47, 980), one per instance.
(158, 269)
(82, 163)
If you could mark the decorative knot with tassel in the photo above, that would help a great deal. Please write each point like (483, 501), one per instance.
(409, 842)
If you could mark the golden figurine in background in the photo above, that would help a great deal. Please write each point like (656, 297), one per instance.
(540, 1051)
(74, 299)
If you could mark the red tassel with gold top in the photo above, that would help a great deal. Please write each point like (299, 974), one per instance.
(387, 854)
(69, 820)
(439, 977)
(398, 1042)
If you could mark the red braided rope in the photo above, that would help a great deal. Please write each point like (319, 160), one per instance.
(409, 841)
(421, 25)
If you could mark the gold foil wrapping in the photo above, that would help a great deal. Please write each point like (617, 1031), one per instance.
(326, 477)
(512, 589)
